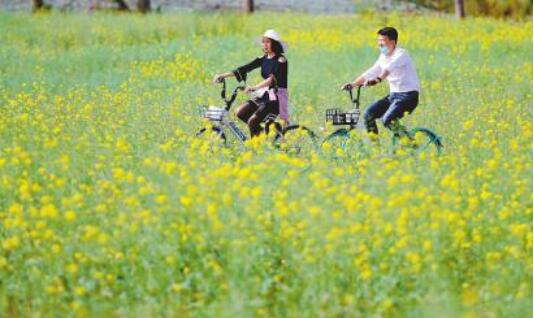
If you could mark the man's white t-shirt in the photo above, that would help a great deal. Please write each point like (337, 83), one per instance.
(402, 76)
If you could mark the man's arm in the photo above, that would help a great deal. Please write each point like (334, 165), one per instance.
(361, 80)
(400, 61)
(383, 75)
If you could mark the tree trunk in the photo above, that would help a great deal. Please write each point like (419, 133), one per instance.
(121, 5)
(460, 10)
(37, 5)
(248, 6)
(143, 6)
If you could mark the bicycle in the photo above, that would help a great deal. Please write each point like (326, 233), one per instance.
(220, 121)
(416, 140)
(296, 139)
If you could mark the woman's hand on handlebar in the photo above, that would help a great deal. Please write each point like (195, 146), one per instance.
(218, 78)
(249, 89)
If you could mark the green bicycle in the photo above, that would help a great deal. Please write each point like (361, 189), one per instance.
(414, 140)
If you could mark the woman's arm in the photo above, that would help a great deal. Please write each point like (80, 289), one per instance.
(241, 72)
(265, 83)
(279, 67)
(219, 77)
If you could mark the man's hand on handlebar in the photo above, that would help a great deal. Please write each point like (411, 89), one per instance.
(347, 87)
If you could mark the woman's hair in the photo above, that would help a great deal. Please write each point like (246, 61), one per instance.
(276, 47)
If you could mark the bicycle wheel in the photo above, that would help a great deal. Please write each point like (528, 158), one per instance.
(297, 139)
(336, 142)
(418, 140)
(212, 135)
(273, 129)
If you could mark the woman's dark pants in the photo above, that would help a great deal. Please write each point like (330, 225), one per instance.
(254, 112)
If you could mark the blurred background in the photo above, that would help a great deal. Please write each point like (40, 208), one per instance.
(496, 8)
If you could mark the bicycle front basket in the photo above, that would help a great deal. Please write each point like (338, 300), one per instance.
(338, 117)
(214, 113)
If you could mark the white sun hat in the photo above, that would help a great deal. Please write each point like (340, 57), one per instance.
(273, 35)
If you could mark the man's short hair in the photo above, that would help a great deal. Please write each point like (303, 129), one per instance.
(390, 32)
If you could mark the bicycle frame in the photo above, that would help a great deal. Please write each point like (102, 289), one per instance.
(397, 130)
(355, 101)
(219, 116)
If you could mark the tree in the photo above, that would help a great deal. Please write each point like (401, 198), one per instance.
(121, 5)
(37, 5)
(248, 6)
(459, 7)
(143, 6)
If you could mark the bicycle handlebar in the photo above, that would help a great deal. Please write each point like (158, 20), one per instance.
(355, 101)
(230, 101)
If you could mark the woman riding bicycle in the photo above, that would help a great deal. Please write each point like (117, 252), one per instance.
(272, 91)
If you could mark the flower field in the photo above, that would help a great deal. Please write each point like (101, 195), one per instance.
(111, 207)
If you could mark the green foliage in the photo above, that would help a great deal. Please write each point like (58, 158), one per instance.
(495, 8)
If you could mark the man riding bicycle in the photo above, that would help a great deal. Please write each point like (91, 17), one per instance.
(395, 65)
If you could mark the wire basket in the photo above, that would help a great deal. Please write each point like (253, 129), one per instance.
(213, 113)
(338, 117)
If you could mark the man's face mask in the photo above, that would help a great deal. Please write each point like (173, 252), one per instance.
(383, 49)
